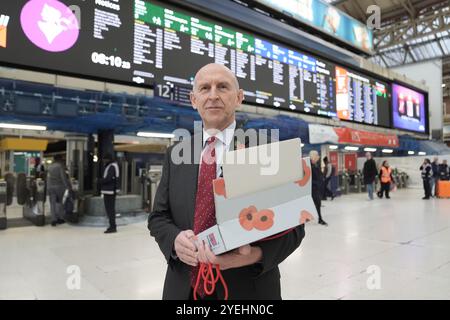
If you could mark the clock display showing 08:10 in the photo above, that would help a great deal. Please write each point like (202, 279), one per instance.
(113, 61)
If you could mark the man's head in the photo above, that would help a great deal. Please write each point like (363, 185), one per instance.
(314, 156)
(368, 155)
(435, 159)
(216, 96)
(444, 161)
(325, 160)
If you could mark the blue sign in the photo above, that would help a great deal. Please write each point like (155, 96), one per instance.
(263, 48)
(327, 19)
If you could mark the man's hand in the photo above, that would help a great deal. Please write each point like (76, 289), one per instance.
(185, 248)
(243, 256)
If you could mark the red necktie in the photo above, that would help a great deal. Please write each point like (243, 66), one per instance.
(205, 211)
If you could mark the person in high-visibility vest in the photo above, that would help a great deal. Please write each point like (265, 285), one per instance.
(385, 179)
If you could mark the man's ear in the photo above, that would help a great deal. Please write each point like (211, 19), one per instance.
(240, 98)
(193, 100)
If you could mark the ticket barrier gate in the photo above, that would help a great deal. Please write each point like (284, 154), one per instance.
(71, 203)
(3, 203)
(6, 198)
(344, 183)
(31, 194)
(355, 182)
(397, 180)
(404, 179)
(361, 182)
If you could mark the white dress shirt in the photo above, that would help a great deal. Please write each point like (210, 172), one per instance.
(222, 144)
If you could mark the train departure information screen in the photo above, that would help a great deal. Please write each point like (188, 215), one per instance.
(155, 44)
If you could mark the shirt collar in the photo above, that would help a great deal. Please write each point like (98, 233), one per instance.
(225, 136)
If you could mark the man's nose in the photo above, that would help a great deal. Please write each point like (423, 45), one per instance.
(213, 93)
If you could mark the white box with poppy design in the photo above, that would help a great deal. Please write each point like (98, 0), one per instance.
(253, 217)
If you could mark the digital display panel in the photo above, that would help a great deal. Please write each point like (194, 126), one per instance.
(326, 18)
(408, 109)
(362, 99)
(150, 43)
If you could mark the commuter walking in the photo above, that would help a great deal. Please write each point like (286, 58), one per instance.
(328, 174)
(369, 174)
(386, 179)
(427, 176)
(57, 184)
(317, 183)
(109, 188)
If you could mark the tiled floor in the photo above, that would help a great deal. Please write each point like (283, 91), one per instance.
(406, 241)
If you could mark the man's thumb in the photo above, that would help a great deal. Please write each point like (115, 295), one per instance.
(189, 233)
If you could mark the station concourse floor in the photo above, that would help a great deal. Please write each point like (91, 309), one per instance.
(404, 240)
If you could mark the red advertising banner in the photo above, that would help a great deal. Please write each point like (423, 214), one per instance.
(351, 136)
(350, 162)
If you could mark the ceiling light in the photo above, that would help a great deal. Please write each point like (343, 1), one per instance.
(387, 150)
(22, 126)
(156, 135)
(421, 153)
(351, 148)
(411, 152)
(370, 149)
(333, 147)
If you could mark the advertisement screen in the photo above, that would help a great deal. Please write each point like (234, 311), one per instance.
(326, 18)
(408, 109)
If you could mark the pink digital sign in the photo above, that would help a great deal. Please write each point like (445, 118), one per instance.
(50, 25)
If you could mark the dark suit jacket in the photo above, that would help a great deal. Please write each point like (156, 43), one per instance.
(173, 212)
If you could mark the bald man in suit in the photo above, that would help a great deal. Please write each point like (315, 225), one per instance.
(251, 272)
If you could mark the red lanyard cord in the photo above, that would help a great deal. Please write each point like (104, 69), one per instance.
(206, 273)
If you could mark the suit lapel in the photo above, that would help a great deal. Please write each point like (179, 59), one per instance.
(191, 171)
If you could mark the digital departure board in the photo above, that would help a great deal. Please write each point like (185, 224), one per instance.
(361, 98)
(150, 43)
(270, 74)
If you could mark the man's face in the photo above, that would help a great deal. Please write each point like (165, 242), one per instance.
(216, 96)
(368, 156)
